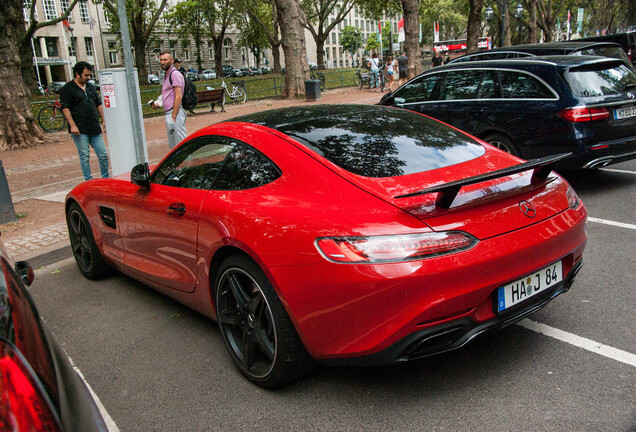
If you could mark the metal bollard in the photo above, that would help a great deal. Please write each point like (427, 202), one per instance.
(7, 212)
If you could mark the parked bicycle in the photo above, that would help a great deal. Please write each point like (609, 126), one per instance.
(360, 78)
(238, 93)
(51, 118)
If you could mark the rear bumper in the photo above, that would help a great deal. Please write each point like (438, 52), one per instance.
(602, 154)
(454, 334)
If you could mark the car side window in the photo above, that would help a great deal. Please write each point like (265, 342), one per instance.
(517, 85)
(489, 87)
(461, 85)
(245, 168)
(419, 90)
(196, 164)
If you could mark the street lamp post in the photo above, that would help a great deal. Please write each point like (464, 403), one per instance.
(489, 15)
(518, 15)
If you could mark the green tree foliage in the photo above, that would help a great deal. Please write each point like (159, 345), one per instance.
(189, 21)
(351, 39)
(142, 17)
(253, 36)
(451, 14)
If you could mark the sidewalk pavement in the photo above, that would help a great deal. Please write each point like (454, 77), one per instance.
(43, 175)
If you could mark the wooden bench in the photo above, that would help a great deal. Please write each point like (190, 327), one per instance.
(212, 97)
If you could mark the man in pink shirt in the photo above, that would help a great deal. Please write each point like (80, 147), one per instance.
(171, 95)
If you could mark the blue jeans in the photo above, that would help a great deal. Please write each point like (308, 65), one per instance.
(374, 76)
(82, 142)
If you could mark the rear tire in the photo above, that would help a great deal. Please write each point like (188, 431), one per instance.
(240, 95)
(256, 329)
(85, 251)
(503, 143)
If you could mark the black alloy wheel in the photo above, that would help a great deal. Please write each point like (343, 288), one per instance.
(256, 329)
(85, 251)
(503, 143)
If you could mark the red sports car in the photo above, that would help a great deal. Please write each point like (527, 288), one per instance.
(345, 233)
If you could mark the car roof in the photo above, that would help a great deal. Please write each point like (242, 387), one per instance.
(559, 61)
(550, 48)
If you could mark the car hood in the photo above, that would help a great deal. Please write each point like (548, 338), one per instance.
(486, 208)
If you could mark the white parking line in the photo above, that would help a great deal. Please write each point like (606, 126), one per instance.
(618, 171)
(613, 223)
(581, 342)
(110, 423)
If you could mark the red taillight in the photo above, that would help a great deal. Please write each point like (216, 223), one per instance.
(22, 406)
(584, 114)
(396, 248)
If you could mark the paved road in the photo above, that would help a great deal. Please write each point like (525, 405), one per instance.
(157, 366)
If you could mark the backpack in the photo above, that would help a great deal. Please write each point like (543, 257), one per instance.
(190, 98)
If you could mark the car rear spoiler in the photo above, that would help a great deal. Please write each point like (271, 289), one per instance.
(447, 192)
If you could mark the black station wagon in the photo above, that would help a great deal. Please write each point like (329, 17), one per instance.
(534, 107)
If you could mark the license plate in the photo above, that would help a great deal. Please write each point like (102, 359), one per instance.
(529, 286)
(625, 112)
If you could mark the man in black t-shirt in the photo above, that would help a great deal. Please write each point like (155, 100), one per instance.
(82, 108)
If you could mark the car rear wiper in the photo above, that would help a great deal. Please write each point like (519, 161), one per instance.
(447, 192)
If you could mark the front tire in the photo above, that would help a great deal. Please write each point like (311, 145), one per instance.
(51, 120)
(85, 251)
(255, 327)
(240, 95)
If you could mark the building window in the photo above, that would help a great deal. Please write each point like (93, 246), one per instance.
(113, 57)
(49, 9)
(186, 55)
(106, 17)
(64, 5)
(173, 48)
(51, 46)
(83, 8)
(27, 11)
(72, 47)
(211, 53)
(88, 43)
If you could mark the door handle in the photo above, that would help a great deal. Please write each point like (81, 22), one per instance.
(176, 209)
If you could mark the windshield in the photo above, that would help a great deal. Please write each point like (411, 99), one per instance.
(601, 82)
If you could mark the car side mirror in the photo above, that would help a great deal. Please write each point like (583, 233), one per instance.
(140, 175)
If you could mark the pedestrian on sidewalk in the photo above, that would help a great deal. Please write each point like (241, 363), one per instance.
(403, 62)
(171, 95)
(374, 64)
(82, 108)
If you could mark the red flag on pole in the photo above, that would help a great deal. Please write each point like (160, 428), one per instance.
(380, 26)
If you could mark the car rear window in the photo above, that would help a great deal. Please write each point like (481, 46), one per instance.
(594, 81)
(381, 142)
(605, 51)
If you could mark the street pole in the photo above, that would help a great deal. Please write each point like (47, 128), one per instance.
(133, 96)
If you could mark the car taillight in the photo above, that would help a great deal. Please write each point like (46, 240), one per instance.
(584, 114)
(395, 248)
(573, 199)
(22, 406)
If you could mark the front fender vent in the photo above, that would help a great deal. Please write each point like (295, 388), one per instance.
(107, 216)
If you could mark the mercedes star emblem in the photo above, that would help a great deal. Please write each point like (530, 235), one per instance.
(527, 209)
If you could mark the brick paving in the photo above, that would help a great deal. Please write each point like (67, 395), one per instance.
(49, 178)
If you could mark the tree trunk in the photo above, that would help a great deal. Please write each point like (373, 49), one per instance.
(292, 19)
(139, 44)
(412, 36)
(17, 123)
(276, 57)
(473, 29)
(320, 51)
